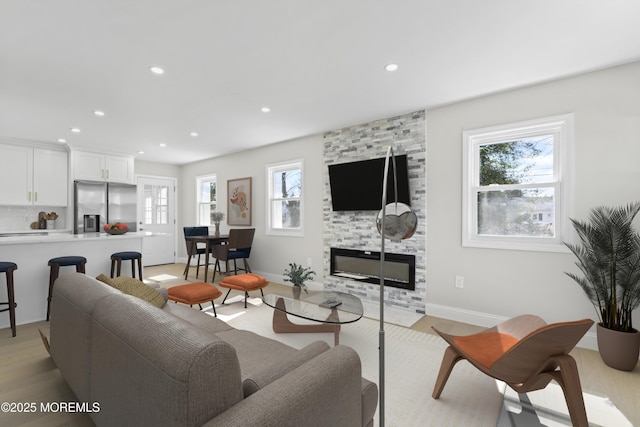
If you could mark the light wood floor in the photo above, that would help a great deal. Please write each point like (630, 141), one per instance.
(27, 373)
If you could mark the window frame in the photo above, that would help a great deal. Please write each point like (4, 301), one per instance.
(271, 170)
(561, 126)
(199, 180)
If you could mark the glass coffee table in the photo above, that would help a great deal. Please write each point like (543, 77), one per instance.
(329, 309)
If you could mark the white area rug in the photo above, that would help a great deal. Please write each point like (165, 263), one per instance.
(163, 277)
(548, 408)
(470, 398)
(412, 363)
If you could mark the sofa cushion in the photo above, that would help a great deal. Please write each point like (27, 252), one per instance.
(135, 287)
(325, 391)
(196, 317)
(254, 381)
(369, 401)
(256, 352)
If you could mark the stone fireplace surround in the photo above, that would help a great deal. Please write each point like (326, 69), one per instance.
(406, 134)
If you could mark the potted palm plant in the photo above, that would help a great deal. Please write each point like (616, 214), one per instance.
(297, 275)
(608, 255)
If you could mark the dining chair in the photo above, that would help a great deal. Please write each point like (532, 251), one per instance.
(193, 250)
(238, 247)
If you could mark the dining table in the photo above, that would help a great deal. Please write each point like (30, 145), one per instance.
(209, 241)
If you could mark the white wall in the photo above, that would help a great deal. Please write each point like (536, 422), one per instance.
(270, 254)
(500, 283)
(157, 169)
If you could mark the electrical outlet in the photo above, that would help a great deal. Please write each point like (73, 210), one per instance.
(459, 282)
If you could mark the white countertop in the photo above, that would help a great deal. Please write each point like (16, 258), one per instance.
(56, 237)
(32, 253)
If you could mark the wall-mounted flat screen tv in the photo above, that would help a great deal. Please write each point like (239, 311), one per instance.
(357, 186)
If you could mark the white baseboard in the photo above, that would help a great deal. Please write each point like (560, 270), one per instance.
(589, 341)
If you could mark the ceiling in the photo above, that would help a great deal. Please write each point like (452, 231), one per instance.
(318, 65)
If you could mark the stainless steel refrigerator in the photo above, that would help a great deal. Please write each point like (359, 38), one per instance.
(99, 203)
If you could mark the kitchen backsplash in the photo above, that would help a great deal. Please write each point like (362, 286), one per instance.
(17, 218)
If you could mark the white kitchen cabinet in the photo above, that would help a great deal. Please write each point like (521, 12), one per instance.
(33, 176)
(102, 167)
(50, 177)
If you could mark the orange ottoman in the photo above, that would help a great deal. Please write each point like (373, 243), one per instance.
(243, 282)
(195, 293)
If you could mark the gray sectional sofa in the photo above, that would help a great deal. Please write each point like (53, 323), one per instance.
(176, 366)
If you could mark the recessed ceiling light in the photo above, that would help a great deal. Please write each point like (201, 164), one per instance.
(156, 70)
(62, 140)
(194, 134)
(75, 130)
(391, 67)
(265, 109)
(140, 152)
(99, 113)
(162, 144)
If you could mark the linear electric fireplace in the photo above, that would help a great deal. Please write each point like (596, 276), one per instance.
(364, 266)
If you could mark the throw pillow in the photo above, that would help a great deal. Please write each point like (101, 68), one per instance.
(135, 287)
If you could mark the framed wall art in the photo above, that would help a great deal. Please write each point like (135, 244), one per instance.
(239, 204)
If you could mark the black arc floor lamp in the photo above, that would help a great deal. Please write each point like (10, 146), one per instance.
(395, 221)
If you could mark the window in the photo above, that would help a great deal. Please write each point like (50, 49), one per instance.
(285, 206)
(516, 185)
(156, 204)
(207, 199)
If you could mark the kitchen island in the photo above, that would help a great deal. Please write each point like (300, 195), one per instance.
(32, 253)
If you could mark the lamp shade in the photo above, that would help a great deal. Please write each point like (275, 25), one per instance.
(400, 221)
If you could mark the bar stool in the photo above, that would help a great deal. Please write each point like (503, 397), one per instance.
(7, 268)
(118, 257)
(55, 264)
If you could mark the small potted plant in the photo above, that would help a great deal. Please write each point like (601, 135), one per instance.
(297, 275)
(609, 259)
(216, 217)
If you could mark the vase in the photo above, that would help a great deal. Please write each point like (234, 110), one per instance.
(618, 350)
(296, 292)
(217, 229)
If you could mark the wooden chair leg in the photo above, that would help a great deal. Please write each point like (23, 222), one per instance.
(113, 267)
(247, 269)
(569, 380)
(216, 267)
(449, 359)
(186, 268)
(81, 268)
(140, 267)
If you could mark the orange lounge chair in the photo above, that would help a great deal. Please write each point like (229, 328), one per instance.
(525, 353)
